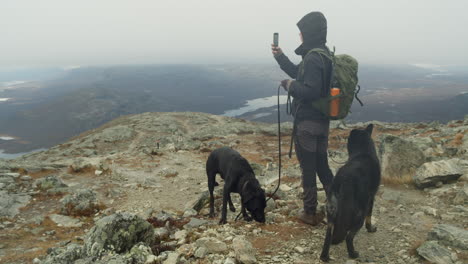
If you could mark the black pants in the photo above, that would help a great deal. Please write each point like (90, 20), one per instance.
(311, 150)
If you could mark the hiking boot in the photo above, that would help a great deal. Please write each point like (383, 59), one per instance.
(311, 219)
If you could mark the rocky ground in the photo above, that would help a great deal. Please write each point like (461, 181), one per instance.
(134, 191)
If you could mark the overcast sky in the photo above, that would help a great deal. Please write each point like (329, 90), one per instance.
(90, 32)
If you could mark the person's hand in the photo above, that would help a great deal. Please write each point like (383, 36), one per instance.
(286, 84)
(276, 50)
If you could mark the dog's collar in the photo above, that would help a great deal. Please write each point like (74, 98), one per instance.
(245, 185)
(242, 196)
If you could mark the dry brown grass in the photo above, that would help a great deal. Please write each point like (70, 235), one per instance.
(398, 181)
(414, 246)
(458, 140)
(72, 211)
(28, 240)
(463, 256)
(89, 169)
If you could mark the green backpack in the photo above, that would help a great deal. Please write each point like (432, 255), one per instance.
(343, 76)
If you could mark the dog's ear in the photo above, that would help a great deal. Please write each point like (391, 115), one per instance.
(369, 129)
(353, 133)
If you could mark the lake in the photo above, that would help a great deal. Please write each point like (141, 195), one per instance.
(16, 155)
(255, 104)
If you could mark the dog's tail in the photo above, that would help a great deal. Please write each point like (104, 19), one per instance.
(344, 214)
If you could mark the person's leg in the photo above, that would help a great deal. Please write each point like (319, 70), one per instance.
(307, 162)
(323, 169)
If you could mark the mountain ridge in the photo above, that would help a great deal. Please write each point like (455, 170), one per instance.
(151, 166)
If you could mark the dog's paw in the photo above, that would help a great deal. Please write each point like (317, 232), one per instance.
(222, 221)
(325, 258)
(371, 228)
(248, 218)
(353, 254)
(211, 215)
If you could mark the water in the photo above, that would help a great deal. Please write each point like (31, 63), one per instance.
(16, 155)
(11, 83)
(255, 104)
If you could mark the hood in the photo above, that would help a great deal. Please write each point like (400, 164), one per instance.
(313, 27)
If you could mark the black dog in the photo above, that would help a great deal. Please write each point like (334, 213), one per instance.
(238, 178)
(352, 193)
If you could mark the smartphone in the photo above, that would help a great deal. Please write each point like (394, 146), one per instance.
(275, 39)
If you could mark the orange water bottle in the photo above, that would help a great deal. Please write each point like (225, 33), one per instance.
(335, 103)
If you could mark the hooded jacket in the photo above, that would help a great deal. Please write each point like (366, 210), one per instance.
(315, 81)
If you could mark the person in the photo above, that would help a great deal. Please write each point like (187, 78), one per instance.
(311, 127)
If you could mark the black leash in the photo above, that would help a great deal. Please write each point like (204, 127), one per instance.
(279, 146)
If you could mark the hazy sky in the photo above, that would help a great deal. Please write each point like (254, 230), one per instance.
(89, 32)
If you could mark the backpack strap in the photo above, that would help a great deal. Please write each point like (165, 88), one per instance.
(355, 95)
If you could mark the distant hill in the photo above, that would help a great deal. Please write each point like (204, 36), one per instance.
(88, 97)
(45, 113)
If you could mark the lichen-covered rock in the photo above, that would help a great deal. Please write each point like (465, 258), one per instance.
(399, 158)
(449, 235)
(52, 184)
(82, 203)
(139, 253)
(68, 254)
(433, 252)
(430, 173)
(118, 232)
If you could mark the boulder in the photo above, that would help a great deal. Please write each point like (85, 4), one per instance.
(83, 164)
(66, 221)
(450, 236)
(433, 252)
(271, 205)
(195, 223)
(430, 173)
(212, 245)
(244, 250)
(118, 232)
(399, 158)
(139, 253)
(11, 202)
(172, 258)
(200, 202)
(81, 203)
(68, 254)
